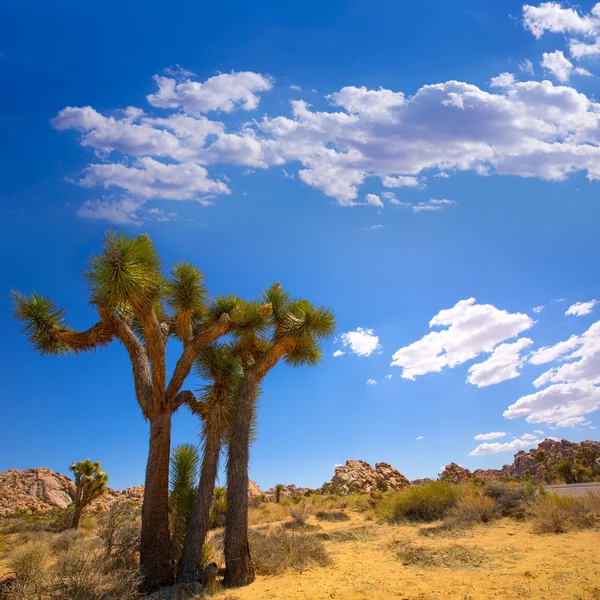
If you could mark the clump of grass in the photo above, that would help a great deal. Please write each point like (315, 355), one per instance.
(424, 503)
(451, 556)
(355, 534)
(332, 515)
(278, 550)
(300, 514)
(559, 514)
(512, 501)
(472, 508)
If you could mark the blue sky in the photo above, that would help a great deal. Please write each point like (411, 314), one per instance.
(406, 164)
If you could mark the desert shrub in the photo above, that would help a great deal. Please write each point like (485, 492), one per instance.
(300, 514)
(424, 503)
(29, 563)
(257, 500)
(452, 556)
(332, 515)
(71, 567)
(382, 485)
(295, 498)
(119, 533)
(473, 508)
(279, 550)
(559, 514)
(65, 540)
(511, 500)
(268, 513)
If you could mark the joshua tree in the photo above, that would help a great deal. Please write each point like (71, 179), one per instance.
(141, 308)
(90, 482)
(587, 456)
(219, 366)
(278, 489)
(292, 331)
(565, 469)
(185, 463)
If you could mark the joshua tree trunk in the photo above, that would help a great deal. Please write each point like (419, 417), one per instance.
(239, 570)
(156, 553)
(76, 516)
(190, 567)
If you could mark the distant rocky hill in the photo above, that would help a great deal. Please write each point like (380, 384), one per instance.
(42, 490)
(357, 475)
(556, 451)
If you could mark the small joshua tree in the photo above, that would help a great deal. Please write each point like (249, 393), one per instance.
(278, 489)
(90, 482)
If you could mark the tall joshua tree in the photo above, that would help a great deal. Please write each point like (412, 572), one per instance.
(219, 366)
(140, 307)
(291, 332)
(90, 483)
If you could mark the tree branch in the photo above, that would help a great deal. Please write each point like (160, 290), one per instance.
(204, 335)
(140, 365)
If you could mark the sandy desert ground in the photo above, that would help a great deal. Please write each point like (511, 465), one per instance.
(515, 564)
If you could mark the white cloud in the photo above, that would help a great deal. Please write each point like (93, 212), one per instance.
(339, 353)
(496, 447)
(376, 227)
(432, 205)
(395, 181)
(371, 382)
(552, 17)
(538, 309)
(374, 200)
(223, 92)
(547, 354)
(471, 330)
(490, 436)
(296, 88)
(388, 376)
(504, 80)
(570, 422)
(419, 438)
(526, 66)
(362, 342)
(560, 66)
(528, 436)
(531, 129)
(503, 364)
(441, 175)
(124, 211)
(581, 309)
(580, 49)
(538, 431)
(151, 179)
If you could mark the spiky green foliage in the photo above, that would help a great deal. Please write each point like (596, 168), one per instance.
(186, 296)
(126, 276)
(225, 304)
(43, 322)
(185, 463)
(90, 483)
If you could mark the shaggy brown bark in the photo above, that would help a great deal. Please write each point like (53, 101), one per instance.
(190, 568)
(239, 570)
(156, 553)
(76, 516)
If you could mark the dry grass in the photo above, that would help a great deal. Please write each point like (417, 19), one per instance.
(332, 516)
(278, 550)
(473, 508)
(559, 514)
(452, 556)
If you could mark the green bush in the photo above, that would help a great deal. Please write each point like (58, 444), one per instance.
(424, 503)
(473, 508)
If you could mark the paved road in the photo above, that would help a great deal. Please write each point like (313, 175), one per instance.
(575, 489)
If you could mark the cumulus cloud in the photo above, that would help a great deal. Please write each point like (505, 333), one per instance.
(547, 354)
(504, 80)
(362, 342)
(490, 436)
(470, 330)
(560, 66)
(528, 129)
(339, 353)
(374, 200)
(538, 431)
(223, 92)
(503, 364)
(581, 309)
(496, 447)
(552, 17)
(528, 436)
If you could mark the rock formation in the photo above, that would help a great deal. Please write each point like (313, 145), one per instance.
(523, 462)
(359, 476)
(286, 491)
(42, 489)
